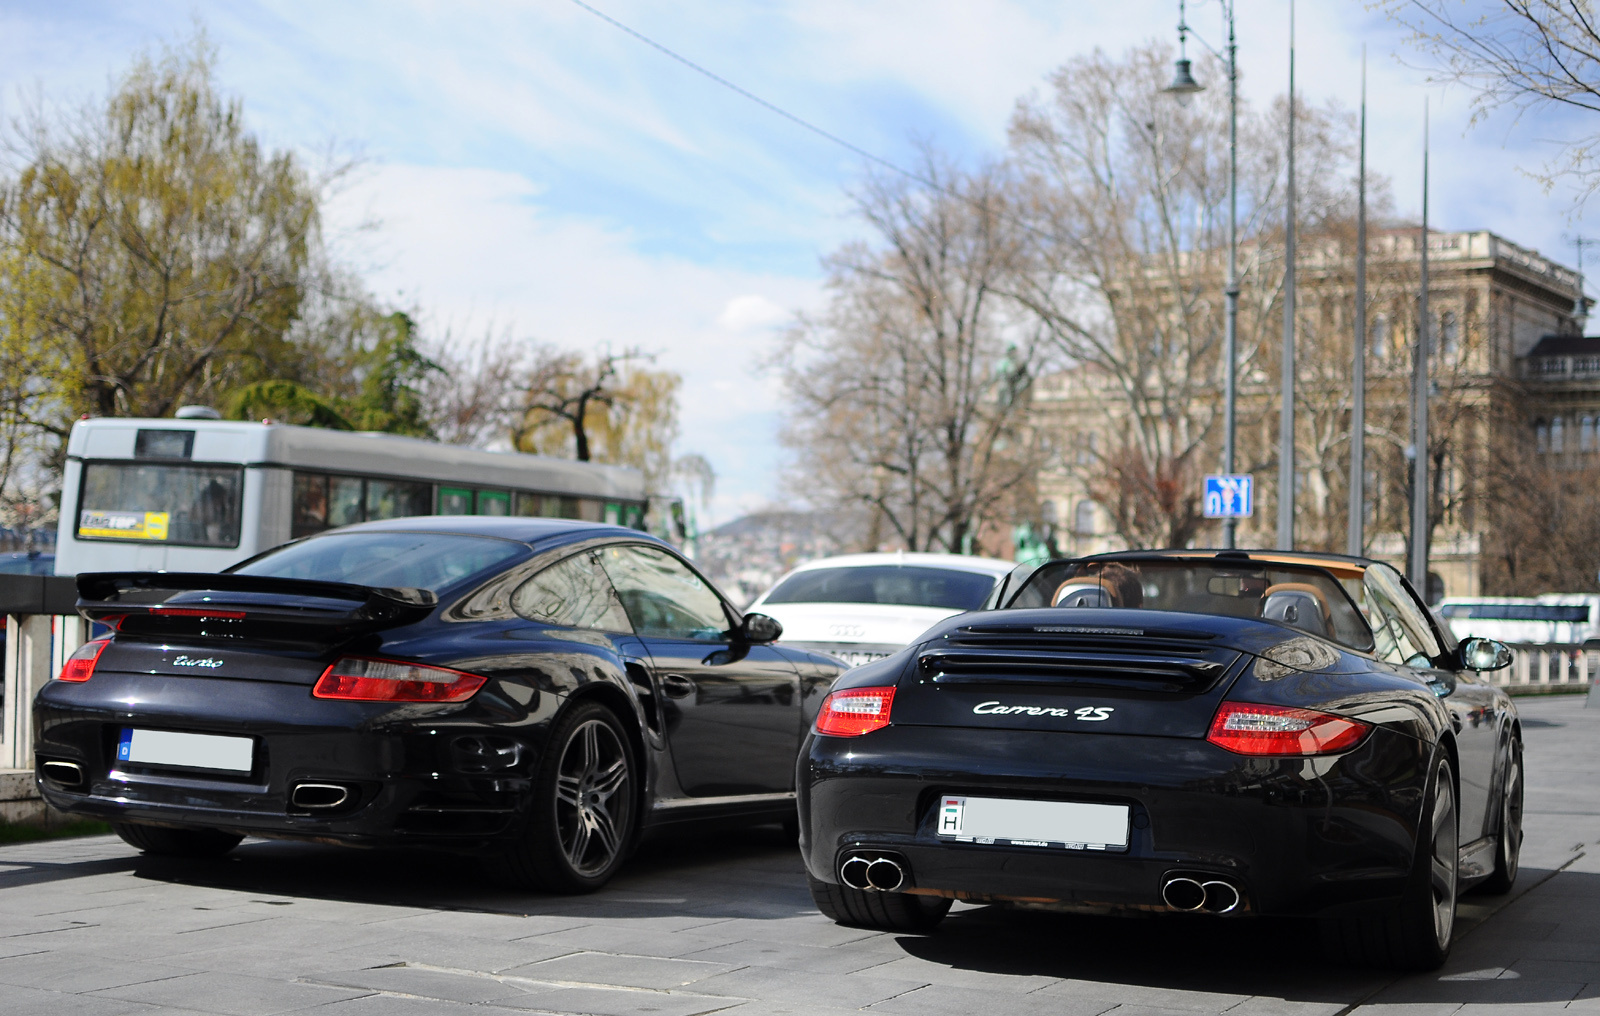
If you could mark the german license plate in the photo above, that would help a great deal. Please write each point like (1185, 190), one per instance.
(1007, 822)
(188, 751)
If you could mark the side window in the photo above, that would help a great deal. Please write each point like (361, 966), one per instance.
(663, 597)
(575, 593)
(1400, 630)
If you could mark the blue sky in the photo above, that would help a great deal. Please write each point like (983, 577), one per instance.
(533, 170)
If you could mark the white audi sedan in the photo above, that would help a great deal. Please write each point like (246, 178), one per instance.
(863, 607)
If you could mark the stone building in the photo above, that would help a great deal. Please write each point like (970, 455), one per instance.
(1508, 361)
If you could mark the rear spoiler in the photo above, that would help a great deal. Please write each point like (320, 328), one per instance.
(157, 601)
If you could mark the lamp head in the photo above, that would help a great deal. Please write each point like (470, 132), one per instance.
(1183, 82)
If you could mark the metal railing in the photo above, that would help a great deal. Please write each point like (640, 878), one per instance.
(42, 630)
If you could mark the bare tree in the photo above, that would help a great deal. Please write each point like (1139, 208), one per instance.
(908, 395)
(1522, 55)
(1128, 196)
(475, 399)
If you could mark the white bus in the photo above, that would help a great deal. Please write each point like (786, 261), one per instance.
(1551, 619)
(200, 494)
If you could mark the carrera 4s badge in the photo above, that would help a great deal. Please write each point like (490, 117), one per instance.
(1089, 714)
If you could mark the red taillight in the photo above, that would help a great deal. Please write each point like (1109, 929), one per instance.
(228, 615)
(80, 665)
(1251, 729)
(855, 711)
(361, 679)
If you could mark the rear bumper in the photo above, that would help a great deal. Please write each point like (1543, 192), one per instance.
(406, 767)
(1299, 836)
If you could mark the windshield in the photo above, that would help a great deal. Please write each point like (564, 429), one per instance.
(904, 585)
(1301, 596)
(415, 560)
(1517, 611)
(196, 505)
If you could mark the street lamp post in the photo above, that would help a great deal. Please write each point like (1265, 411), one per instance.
(1184, 85)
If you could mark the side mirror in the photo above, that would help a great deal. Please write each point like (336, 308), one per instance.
(1484, 654)
(759, 628)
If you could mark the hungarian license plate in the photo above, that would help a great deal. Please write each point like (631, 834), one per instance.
(1007, 822)
(187, 751)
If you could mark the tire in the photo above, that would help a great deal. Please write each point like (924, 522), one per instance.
(1507, 855)
(883, 911)
(1416, 933)
(160, 841)
(585, 807)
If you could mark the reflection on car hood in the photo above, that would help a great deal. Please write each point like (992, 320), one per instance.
(884, 623)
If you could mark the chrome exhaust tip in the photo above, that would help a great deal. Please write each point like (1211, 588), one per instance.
(1221, 897)
(885, 875)
(68, 774)
(1183, 894)
(318, 796)
(853, 873)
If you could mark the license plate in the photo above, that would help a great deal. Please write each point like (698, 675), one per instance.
(190, 751)
(1007, 822)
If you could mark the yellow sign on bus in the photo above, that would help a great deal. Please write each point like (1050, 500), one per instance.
(124, 525)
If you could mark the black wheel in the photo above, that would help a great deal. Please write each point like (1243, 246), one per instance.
(885, 911)
(1415, 934)
(583, 812)
(163, 842)
(1509, 851)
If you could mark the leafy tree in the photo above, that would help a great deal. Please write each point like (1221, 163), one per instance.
(608, 408)
(151, 250)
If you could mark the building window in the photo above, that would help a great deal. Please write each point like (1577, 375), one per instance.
(1083, 519)
(1380, 337)
(1558, 443)
(1449, 335)
(1541, 436)
(1586, 434)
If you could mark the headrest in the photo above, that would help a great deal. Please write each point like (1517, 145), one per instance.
(1297, 609)
(1081, 595)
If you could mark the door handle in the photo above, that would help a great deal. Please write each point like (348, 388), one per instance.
(676, 686)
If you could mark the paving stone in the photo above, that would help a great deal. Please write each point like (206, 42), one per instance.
(788, 956)
(625, 971)
(231, 994)
(39, 1002)
(394, 1005)
(74, 971)
(950, 1000)
(439, 984)
(617, 1002)
(912, 968)
(846, 991)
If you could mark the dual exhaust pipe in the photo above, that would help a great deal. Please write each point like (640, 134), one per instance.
(1212, 896)
(872, 874)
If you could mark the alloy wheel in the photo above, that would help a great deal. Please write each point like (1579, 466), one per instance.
(1511, 816)
(593, 797)
(1444, 860)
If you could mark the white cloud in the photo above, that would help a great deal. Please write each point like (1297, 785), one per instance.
(753, 310)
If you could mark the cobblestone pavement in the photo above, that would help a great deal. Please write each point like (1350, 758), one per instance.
(723, 923)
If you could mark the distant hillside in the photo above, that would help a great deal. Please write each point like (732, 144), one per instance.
(746, 556)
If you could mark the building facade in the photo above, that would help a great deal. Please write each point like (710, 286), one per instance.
(1509, 369)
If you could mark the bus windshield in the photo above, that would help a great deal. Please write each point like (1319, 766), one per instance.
(160, 503)
(387, 560)
(1301, 596)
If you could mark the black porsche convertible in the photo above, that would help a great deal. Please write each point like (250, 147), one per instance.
(1219, 733)
(540, 692)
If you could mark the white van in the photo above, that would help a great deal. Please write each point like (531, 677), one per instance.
(200, 494)
(1551, 619)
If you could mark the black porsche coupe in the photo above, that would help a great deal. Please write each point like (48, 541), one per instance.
(1207, 732)
(537, 691)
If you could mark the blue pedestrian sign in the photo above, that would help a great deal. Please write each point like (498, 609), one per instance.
(1228, 497)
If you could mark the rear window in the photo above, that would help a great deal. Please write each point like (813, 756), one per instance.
(415, 560)
(159, 503)
(1303, 597)
(1517, 611)
(907, 586)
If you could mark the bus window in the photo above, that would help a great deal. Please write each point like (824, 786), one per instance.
(344, 500)
(455, 501)
(494, 502)
(394, 499)
(194, 505)
(588, 509)
(310, 504)
(613, 514)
